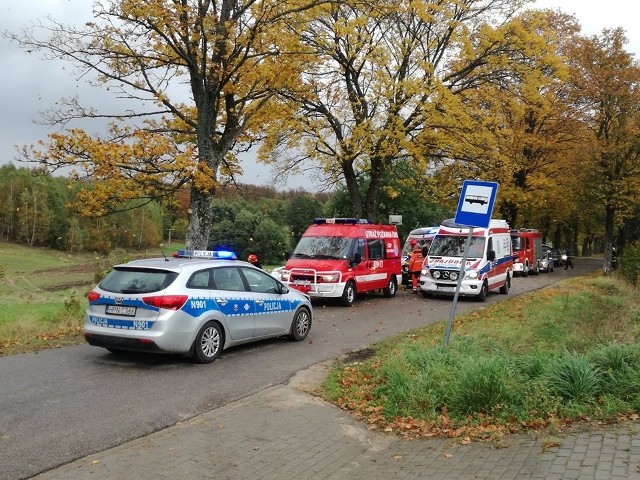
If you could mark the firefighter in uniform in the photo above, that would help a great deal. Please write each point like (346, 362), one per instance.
(415, 265)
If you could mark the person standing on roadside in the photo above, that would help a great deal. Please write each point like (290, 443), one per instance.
(569, 262)
(415, 266)
(253, 259)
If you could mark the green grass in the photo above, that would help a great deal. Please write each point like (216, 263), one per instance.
(43, 293)
(567, 352)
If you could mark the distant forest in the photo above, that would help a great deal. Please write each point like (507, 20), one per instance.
(36, 211)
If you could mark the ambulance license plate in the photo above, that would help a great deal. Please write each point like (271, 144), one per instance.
(446, 289)
(120, 310)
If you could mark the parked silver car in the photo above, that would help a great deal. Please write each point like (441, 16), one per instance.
(547, 263)
(192, 306)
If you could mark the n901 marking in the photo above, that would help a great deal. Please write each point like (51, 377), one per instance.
(198, 304)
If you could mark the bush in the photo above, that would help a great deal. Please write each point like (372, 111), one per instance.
(630, 263)
(483, 386)
(574, 379)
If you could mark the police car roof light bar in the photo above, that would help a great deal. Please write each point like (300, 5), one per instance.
(210, 254)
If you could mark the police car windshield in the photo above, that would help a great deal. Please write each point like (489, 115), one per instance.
(137, 280)
(323, 247)
(453, 246)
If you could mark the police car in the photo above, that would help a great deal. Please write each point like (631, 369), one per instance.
(196, 303)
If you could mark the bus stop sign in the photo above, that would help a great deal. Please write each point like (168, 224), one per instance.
(475, 206)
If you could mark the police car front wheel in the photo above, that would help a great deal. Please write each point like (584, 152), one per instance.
(301, 325)
(208, 343)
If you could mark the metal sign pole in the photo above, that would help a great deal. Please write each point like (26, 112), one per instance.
(463, 268)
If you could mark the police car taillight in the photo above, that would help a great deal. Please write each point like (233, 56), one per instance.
(168, 302)
(211, 254)
(93, 296)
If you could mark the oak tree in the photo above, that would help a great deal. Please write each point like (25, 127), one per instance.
(197, 75)
(606, 79)
(390, 81)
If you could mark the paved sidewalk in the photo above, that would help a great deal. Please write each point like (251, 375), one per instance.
(284, 433)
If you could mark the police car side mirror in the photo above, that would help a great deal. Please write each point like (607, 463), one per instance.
(491, 255)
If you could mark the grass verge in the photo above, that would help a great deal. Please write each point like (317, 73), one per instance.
(542, 360)
(43, 293)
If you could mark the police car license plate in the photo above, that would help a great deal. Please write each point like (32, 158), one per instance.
(121, 310)
(446, 289)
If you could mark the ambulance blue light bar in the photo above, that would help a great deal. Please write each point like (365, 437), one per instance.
(344, 221)
(211, 254)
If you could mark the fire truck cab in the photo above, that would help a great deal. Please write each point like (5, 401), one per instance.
(341, 257)
(488, 266)
(527, 251)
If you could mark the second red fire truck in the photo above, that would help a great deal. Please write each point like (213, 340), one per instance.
(527, 251)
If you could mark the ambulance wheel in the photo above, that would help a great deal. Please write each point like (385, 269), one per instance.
(392, 288)
(505, 288)
(349, 294)
(484, 293)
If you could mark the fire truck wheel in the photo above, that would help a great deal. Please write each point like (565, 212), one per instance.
(484, 292)
(391, 289)
(525, 270)
(507, 285)
(349, 294)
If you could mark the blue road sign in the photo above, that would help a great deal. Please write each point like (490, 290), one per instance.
(475, 206)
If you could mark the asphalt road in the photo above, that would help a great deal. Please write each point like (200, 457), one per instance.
(62, 404)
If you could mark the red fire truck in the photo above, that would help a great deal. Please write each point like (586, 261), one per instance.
(341, 257)
(527, 251)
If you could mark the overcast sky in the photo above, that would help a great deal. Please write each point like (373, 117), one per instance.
(31, 85)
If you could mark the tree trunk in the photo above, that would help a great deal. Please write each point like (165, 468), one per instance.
(200, 214)
(352, 188)
(200, 219)
(608, 239)
(371, 198)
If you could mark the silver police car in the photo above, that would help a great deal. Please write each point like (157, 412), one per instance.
(198, 304)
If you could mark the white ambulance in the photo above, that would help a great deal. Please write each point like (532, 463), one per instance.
(489, 263)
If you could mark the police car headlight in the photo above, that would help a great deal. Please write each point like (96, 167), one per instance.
(453, 275)
(329, 277)
(472, 275)
(436, 274)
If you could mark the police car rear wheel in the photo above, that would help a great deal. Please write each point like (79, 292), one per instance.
(391, 289)
(349, 294)
(208, 343)
(301, 325)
